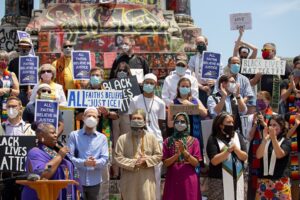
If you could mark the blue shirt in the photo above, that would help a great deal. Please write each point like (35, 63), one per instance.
(81, 147)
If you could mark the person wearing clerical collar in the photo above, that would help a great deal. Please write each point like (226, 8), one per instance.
(89, 153)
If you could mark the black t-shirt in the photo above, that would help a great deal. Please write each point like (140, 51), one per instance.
(135, 62)
(213, 149)
(281, 166)
(13, 66)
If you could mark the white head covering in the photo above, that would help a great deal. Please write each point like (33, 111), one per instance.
(150, 76)
(90, 108)
(44, 85)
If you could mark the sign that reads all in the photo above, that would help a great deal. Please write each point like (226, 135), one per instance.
(95, 98)
(240, 20)
(266, 67)
(210, 65)
(129, 87)
(189, 109)
(28, 70)
(13, 152)
(81, 65)
(47, 111)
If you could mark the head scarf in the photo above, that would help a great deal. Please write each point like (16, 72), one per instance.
(180, 135)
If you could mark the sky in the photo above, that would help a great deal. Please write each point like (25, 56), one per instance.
(274, 21)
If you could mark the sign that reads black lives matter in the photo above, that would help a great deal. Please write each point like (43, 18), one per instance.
(129, 86)
(13, 152)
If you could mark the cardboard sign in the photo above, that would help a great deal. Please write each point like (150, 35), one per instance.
(189, 109)
(247, 121)
(129, 87)
(47, 111)
(266, 67)
(109, 58)
(95, 98)
(24, 34)
(210, 65)
(81, 65)
(13, 152)
(139, 73)
(28, 70)
(240, 20)
(206, 126)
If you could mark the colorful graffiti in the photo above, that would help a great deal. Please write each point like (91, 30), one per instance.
(90, 18)
(8, 38)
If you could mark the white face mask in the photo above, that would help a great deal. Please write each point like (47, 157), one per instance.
(91, 122)
(67, 51)
(12, 113)
(125, 48)
(46, 76)
(232, 87)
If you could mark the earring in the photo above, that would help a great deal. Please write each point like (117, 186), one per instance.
(43, 139)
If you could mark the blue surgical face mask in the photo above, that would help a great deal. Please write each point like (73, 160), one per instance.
(184, 90)
(235, 68)
(148, 88)
(180, 70)
(95, 80)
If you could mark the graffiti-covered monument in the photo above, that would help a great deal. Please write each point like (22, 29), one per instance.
(159, 28)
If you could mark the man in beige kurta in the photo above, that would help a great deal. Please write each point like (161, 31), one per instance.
(138, 180)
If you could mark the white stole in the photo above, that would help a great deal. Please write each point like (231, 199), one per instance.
(270, 170)
(197, 67)
(228, 182)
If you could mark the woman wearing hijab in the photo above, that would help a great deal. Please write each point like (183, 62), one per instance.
(227, 153)
(47, 154)
(181, 154)
(274, 153)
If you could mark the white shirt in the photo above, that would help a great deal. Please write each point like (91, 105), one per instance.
(169, 89)
(155, 110)
(15, 130)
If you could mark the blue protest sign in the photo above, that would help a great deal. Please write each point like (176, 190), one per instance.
(81, 65)
(28, 70)
(46, 111)
(210, 65)
(24, 34)
(95, 98)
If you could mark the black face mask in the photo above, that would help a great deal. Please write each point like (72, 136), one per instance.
(201, 48)
(229, 131)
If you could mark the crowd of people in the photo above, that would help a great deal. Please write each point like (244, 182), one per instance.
(262, 163)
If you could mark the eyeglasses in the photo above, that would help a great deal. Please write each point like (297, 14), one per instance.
(265, 49)
(66, 46)
(46, 91)
(44, 71)
(180, 122)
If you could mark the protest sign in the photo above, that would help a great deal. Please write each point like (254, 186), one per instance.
(95, 98)
(247, 121)
(240, 20)
(210, 65)
(109, 58)
(189, 109)
(28, 70)
(139, 73)
(206, 127)
(266, 67)
(46, 111)
(13, 152)
(24, 34)
(129, 87)
(81, 65)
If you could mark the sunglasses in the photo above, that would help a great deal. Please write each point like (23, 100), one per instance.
(180, 122)
(44, 91)
(66, 46)
(44, 71)
(267, 49)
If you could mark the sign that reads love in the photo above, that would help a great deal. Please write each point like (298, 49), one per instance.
(240, 20)
(13, 152)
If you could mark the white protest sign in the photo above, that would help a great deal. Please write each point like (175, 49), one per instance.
(139, 73)
(95, 98)
(206, 126)
(266, 67)
(240, 20)
(246, 121)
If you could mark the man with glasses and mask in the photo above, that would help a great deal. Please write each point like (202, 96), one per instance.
(24, 48)
(14, 126)
(64, 67)
(127, 55)
(43, 92)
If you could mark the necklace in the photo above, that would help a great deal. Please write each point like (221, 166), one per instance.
(148, 111)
